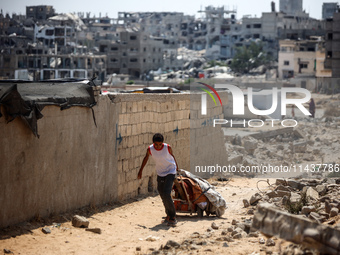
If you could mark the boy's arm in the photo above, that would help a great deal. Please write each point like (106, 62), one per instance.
(170, 151)
(145, 160)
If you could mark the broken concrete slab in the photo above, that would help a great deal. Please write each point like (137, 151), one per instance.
(273, 133)
(282, 182)
(94, 230)
(295, 184)
(321, 189)
(273, 222)
(80, 222)
(255, 198)
(307, 209)
(311, 195)
(278, 193)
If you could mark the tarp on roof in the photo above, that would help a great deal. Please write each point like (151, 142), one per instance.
(27, 99)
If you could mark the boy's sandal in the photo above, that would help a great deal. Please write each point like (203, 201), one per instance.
(166, 220)
(172, 223)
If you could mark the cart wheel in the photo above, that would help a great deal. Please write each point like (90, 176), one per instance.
(199, 212)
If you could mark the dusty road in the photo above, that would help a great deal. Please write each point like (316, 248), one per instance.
(126, 228)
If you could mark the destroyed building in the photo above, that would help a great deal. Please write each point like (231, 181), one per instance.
(303, 61)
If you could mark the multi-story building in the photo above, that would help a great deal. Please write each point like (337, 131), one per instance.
(135, 53)
(40, 12)
(303, 62)
(328, 9)
(332, 49)
(291, 7)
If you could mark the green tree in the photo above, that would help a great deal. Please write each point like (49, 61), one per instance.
(249, 57)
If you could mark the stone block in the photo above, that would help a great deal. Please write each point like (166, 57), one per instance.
(312, 195)
(334, 212)
(274, 222)
(321, 189)
(80, 221)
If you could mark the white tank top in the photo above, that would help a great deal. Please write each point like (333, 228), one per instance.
(165, 162)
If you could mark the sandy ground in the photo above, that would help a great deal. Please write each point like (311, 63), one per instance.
(126, 227)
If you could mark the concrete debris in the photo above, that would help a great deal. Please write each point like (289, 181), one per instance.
(307, 210)
(270, 242)
(151, 238)
(46, 230)
(246, 203)
(171, 243)
(214, 226)
(274, 222)
(255, 198)
(334, 212)
(80, 222)
(94, 230)
(312, 195)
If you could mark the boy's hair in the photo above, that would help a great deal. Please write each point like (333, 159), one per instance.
(157, 138)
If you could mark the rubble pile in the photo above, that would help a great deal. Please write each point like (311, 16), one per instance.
(316, 199)
(217, 235)
(306, 143)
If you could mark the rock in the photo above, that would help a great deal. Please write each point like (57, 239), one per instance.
(80, 222)
(230, 229)
(194, 247)
(321, 189)
(250, 145)
(294, 198)
(283, 188)
(246, 203)
(324, 198)
(280, 147)
(7, 251)
(224, 232)
(202, 243)
(225, 245)
(270, 242)
(94, 230)
(214, 226)
(250, 211)
(255, 198)
(237, 140)
(312, 195)
(334, 212)
(262, 241)
(46, 230)
(138, 248)
(240, 225)
(278, 193)
(295, 184)
(237, 236)
(172, 243)
(152, 238)
(307, 209)
(233, 222)
(282, 182)
(253, 234)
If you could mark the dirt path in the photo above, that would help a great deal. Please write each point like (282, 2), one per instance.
(126, 228)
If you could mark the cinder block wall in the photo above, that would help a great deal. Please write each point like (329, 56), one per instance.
(140, 117)
(74, 163)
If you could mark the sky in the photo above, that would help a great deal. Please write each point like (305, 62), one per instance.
(191, 7)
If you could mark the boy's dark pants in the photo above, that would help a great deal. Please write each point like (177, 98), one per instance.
(164, 187)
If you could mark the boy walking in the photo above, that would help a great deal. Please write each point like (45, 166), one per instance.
(166, 167)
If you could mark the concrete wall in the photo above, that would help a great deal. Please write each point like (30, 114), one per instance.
(74, 163)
